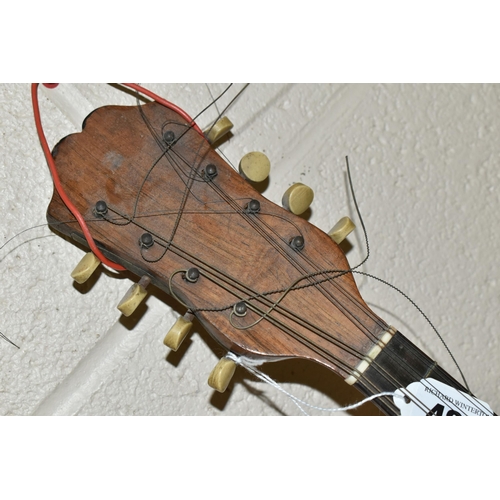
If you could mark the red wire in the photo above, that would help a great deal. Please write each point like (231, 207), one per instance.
(52, 167)
(57, 184)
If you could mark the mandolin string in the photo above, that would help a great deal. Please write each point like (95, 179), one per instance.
(165, 152)
(408, 298)
(203, 266)
(187, 190)
(392, 286)
(424, 316)
(213, 99)
(98, 220)
(278, 324)
(256, 223)
(304, 276)
(239, 211)
(69, 221)
(231, 102)
(239, 207)
(180, 214)
(8, 340)
(235, 283)
(364, 260)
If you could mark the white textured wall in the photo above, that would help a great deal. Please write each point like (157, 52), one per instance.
(425, 162)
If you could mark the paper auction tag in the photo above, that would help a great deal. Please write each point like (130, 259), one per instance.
(432, 398)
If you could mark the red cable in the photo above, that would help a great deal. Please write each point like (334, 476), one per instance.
(165, 103)
(57, 184)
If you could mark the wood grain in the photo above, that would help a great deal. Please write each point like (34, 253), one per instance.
(154, 187)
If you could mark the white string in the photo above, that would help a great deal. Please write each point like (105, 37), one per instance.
(251, 366)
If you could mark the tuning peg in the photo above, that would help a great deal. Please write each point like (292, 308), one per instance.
(135, 295)
(298, 198)
(255, 166)
(85, 268)
(179, 331)
(222, 374)
(341, 230)
(219, 129)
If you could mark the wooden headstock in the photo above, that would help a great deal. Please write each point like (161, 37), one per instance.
(160, 201)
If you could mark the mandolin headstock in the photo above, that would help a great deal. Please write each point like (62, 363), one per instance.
(160, 201)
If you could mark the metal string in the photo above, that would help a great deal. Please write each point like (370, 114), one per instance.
(239, 211)
(262, 231)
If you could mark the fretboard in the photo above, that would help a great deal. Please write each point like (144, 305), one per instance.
(399, 364)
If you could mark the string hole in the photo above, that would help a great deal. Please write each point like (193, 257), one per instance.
(240, 309)
(146, 240)
(169, 136)
(192, 275)
(101, 208)
(253, 207)
(210, 172)
(297, 243)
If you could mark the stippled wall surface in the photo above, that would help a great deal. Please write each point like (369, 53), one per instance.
(425, 164)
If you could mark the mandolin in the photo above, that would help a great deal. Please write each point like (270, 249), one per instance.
(161, 203)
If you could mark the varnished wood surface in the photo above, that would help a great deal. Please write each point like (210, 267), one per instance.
(162, 189)
(411, 150)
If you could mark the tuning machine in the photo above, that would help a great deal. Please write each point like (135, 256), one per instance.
(255, 166)
(85, 268)
(298, 198)
(341, 230)
(134, 296)
(221, 375)
(218, 130)
(179, 331)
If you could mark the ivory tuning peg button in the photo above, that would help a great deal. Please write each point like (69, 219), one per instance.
(341, 230)
(85, 268)
(135, 295)
(255, 166)
(179, 331)
(222, 374)
(218, 130)
(298, 198)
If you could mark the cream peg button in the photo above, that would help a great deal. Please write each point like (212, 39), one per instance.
(135, 295)
(85, 268)
(218, 130)
(298, 198)
(222, 374)
(255, 166)
(341, 230)
(178, 332)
